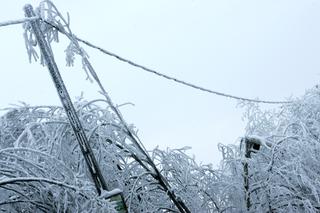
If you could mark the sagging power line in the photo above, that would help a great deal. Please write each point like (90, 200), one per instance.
(176, 79)
(144, 68)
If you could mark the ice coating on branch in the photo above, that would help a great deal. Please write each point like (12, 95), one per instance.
(40, 158)
(284, 173)
(107, 194)
(38, 148)
(52, 21)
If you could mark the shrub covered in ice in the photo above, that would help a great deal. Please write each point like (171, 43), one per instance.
(42, 168)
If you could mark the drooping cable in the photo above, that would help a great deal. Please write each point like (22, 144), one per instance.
(144, 68)
(176, 79)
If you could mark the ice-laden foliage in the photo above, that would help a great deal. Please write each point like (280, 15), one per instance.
(51, 23)
(284, 175)
(42, 168)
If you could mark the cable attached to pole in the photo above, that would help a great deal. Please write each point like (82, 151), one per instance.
(78, 130)
(132, 63)
(18, 21)
(176, 79)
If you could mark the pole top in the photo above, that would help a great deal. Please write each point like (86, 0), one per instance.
(28, 10)
(27, 7)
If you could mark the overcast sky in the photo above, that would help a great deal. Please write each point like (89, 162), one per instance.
(268, 49)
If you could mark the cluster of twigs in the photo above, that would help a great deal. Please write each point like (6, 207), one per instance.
(40, 158)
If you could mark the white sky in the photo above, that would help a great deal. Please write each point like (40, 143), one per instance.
(268, 49)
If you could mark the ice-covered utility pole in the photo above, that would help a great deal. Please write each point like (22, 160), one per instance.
(74, 120)
(251, 145)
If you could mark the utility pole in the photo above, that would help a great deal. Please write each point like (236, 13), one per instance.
(74, 120)
(251, 145)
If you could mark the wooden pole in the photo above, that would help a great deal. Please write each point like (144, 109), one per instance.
(74, 120)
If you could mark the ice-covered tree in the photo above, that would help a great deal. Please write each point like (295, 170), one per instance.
(41, 166)
(284, 173)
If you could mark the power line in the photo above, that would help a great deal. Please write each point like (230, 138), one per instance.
(18, 21)
(176, 79)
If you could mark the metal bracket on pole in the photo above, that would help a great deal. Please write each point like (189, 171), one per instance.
(74, 120)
